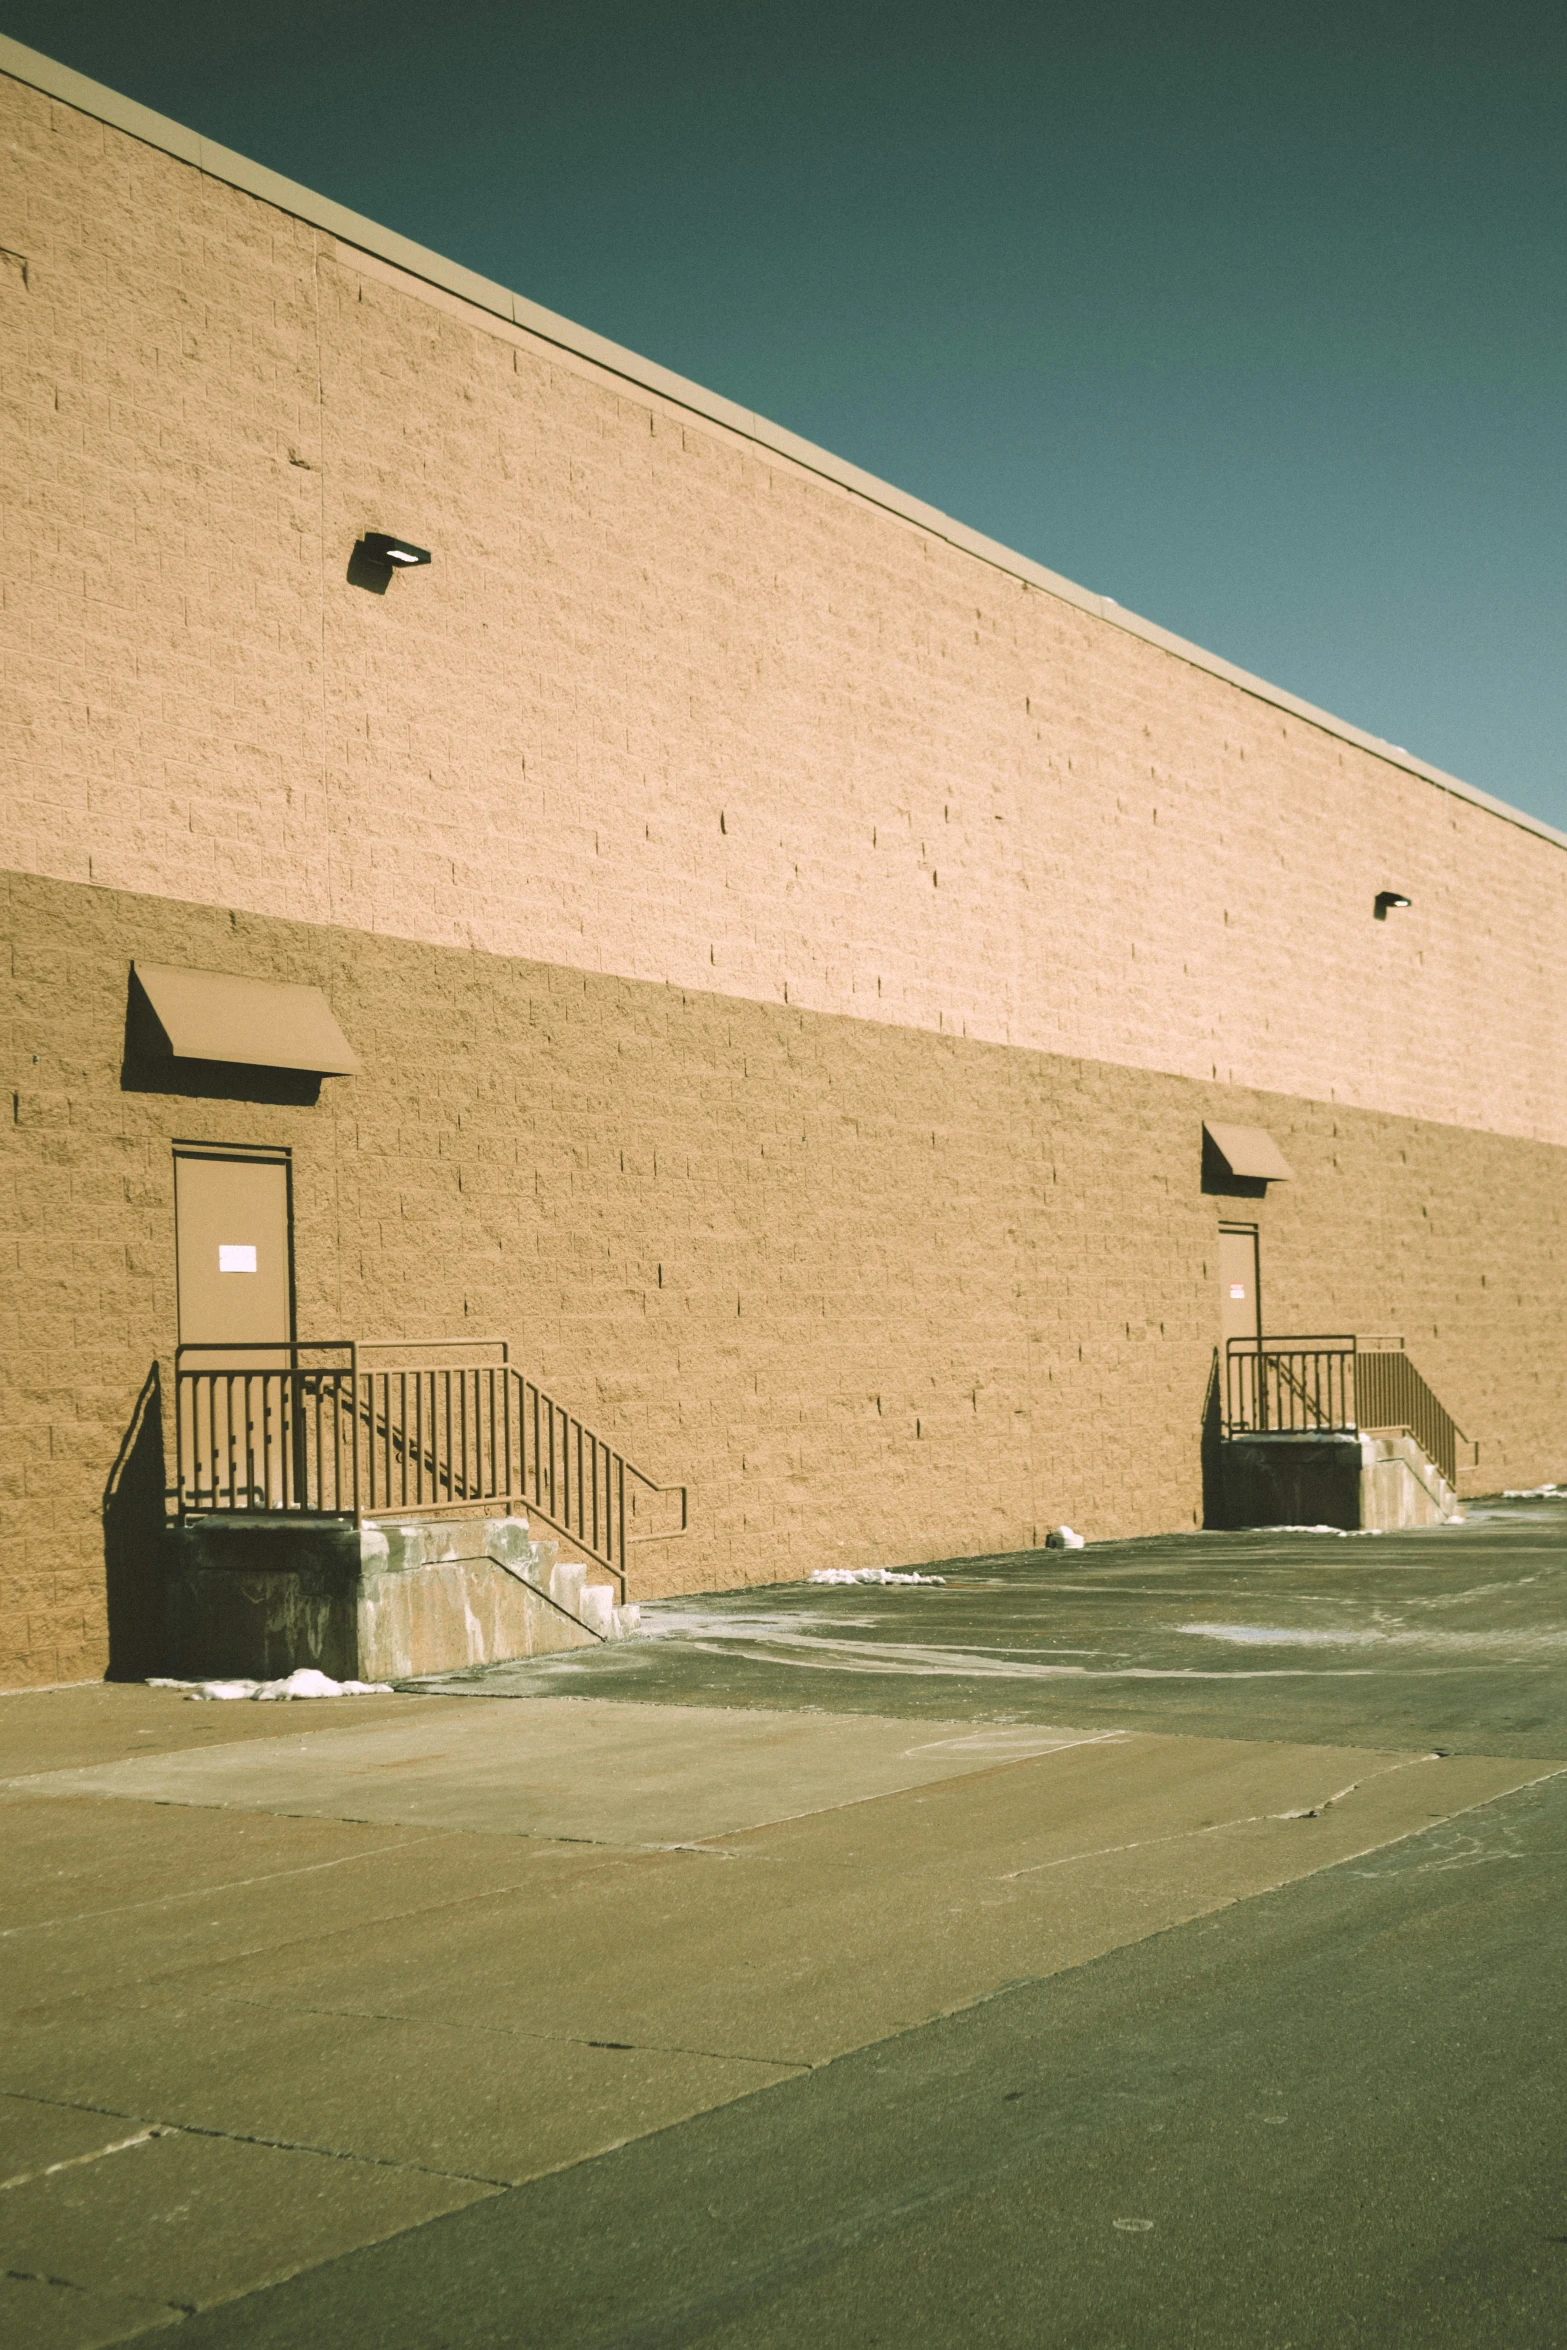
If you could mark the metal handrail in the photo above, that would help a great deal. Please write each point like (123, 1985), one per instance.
(1290, 1386)
(261, 1428)
(1334, 1385)
(310, 1429)
(1394, 1399)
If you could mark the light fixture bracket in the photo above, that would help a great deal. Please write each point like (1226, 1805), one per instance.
(398, 554)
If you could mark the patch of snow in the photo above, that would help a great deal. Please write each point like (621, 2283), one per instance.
(1525, 1647)
(1063, 1538)
(1342, 1533)
(780, 1642)
(869, 1575)
(1535, 1493)
(306, 1682)
(1276, 1636)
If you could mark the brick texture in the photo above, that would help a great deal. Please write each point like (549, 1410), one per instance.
(880, 1295)
(666, 705)
(791, 958)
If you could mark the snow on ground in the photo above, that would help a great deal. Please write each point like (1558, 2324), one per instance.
(307, 1682)
(1343, 1533)
(869, 1575)
(1523, 1645)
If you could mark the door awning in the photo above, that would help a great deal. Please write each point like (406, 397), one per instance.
(262, 1023)
(1250, 1152)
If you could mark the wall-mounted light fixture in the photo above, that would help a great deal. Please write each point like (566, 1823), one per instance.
(401, 553)
(1388, 898)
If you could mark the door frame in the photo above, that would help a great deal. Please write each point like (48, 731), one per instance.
(1253, 1232)
(248, 1154)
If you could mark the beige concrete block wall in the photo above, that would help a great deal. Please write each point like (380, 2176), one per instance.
(880, 1295)
(668, 705)
(792, 955)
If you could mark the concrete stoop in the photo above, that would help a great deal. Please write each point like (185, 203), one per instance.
(258, 1597)
(1401, 1486)
(1361, 1483)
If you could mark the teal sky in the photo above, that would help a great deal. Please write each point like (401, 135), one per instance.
(1252, 318)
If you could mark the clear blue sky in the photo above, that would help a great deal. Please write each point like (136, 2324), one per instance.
(1250, 317)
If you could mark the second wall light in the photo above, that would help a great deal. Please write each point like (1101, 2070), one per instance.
(401, 553)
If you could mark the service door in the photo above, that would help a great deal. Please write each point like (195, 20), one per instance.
(231, 1222)
(1239, 1314)
(1240, 1317)
(231, 1226)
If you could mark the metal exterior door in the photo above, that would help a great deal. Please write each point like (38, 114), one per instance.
(236, 1303)
(1240, 1307)
(231, 1230)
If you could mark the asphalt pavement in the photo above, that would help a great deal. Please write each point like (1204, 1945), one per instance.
(1156, 1944)
(1331, 2116)
(1454, 1637)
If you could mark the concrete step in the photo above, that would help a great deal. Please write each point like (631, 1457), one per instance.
(1400, 1485)
(262, 1597)
(1370, 1483)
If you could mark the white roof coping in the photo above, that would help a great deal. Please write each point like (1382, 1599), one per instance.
(352, 228)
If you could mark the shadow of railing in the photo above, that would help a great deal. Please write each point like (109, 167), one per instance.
(136, 1541)
(1213, 1501)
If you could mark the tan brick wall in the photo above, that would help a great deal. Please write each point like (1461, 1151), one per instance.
(667, 706)
(882, 1295)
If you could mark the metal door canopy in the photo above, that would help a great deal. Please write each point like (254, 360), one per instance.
(1250, 1152)
(261, 1023)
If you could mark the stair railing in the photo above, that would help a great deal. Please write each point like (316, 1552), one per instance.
(1289, 1386)
(363, 1430)
(1337, 1386)
(1394, 1400)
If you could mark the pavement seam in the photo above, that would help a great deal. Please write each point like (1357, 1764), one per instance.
(25, 2178)
(423, 2170)
(469, 1898)
(224, 1886)
(38, 2276)
(1249, 1819)
(375, 2015)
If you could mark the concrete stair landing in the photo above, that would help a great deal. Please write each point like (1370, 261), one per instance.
(1362, 1483)
(259, 1597)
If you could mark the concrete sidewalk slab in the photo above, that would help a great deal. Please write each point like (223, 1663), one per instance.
(444, 2092)
(802, 1940)
(344, 1878)
(585, 1769)
(70, 1860)
(105, 1721)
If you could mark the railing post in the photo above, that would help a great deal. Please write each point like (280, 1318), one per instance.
(353, 1390)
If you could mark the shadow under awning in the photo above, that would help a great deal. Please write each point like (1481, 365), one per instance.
(1249, 1152)
(259, 1023)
